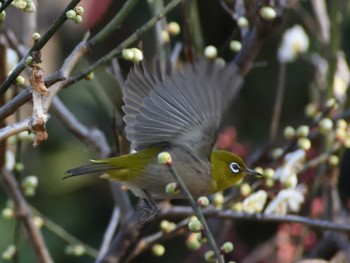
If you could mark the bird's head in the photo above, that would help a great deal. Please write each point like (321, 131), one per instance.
(227, 170)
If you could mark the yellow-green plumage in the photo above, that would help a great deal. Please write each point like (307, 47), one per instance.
(179, 113)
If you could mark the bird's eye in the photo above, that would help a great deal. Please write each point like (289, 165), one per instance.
(235, 168)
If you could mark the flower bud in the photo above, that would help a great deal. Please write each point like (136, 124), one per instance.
(30, 181)
(311, 110)
(210, 256)
(242, 22)
(269, 173)
(71, 14)
(304, 143)
(235, 45)
(20, 81)
(245, 190)
(78, 19)
(303, 131)
(210, 52)
(158, 250)
(38, 221)
(218, 200)
(259, 169)
(331, 103)
(138, 55)
(75, 250)
(192, 241)
(203, 201)
(289, 132)
(341, 124)
(167, 226)
(194, 225)
(7, 213)
(269, 182)
(226, 248)
(2, 16)
(9, 252)
(29, 60)
(237, 207)
(165, 36)
(90, 75)
(173, 28)
(165, 158)
(277, 153)
(79, 10)
(127, 54)
(326, 125)
(36, 36)
(268, 13)
(19, 167)
(333, 160)
(172, 189)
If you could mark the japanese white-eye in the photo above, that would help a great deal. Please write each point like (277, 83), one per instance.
(179, 113)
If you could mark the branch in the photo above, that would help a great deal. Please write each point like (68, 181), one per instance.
(183, 211)
(24, 214)
(37, 46)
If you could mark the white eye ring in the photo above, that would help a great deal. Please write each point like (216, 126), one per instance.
(235, 168)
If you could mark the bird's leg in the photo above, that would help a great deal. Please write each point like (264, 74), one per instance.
(149, 208)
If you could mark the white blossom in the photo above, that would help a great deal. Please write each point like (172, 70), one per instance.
(294, 43)
(287, 200)
(255, 202)
(287, 173)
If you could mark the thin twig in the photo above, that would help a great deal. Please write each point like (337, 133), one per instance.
(4, 5)
(197, 211)
(37, 46)
(183, 211)
(24, 214)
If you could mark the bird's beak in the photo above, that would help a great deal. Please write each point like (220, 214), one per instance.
(253, 172)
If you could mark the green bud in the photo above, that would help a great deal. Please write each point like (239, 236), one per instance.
(20, 81)
(138, 55)
(8, 213)
(192, 241)
(311, 110)
(245, 190)
(38, 221)
(20, 4)
(304, 143)
(19, 167)
(36, 36)
(173, 28)
(333, 160)
(237, 207)
(326, 125)
(195, 226)
(9, 252)
(211, 52)
(75, 250)
(332, 103)
(78, 19)
(341, 124)
(340, 134)
(259, 169)
(269, 182)
(268, 13)
(127, 54)
(289, 132)
(218, 200)
(165, 36)
(226, 248)
(235, 45)
(303, 131)
(165, 158)
(242, 22)
(29, 191)
(79, 10)
(210, 256)
(269, 173)
(277, 153)
(167, 226)
(30, 181)
(90, 76)
(71, 14)
(29, 60)
(172, 189)
(203, 201)
(158, 250)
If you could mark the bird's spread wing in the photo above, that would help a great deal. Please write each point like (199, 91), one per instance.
(184, 108)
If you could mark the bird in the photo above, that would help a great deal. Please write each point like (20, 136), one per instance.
(179, 112)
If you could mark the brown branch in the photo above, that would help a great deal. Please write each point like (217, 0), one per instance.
(24, 214)
(183, 211)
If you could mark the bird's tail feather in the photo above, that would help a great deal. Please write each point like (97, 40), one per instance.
(93, 168)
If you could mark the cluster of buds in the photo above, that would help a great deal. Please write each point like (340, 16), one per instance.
(132, 54)
(24, 5)
(172, 29)
(9, 253)
(158, 250)
(29, 185)
(76, 14)
(75, 250)
(301, 134)
(167, 226)
(8, 212)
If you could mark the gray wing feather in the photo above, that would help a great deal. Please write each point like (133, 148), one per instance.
(184, 108)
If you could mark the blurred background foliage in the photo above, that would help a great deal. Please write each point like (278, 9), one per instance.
(83, 205)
